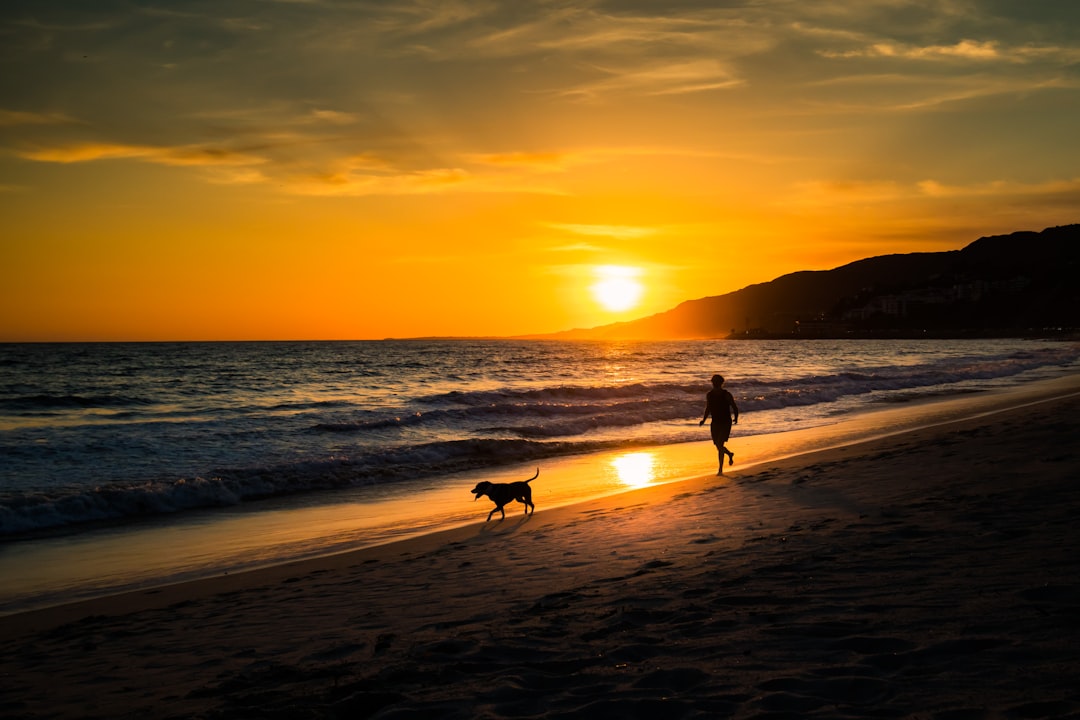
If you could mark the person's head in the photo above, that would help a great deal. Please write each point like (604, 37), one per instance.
(717, 380)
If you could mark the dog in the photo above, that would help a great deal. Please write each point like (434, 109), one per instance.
(502, 493)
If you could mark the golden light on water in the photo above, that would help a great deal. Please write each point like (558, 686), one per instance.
(635, 470)
(617, 287)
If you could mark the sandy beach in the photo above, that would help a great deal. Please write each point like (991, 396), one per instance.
(931, 574)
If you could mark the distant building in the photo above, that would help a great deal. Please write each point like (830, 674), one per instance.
(900, 305)
(821, 328)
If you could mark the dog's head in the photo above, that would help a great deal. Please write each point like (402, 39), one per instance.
(482, 488)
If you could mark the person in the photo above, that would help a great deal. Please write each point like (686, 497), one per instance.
(721, 405)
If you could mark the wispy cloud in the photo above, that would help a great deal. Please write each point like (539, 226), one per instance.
(584, 31)
(846, 193)
(13, 118)
(333, 117)
(564, 160)
(368, 181)
(176, 156)
(592, 53)
(908, 92)
(679, 78)
(621, 232)
(580, 247)
(1000, 188)
(353, 183)
(543, 161)
(971, 50)
(965, 49)
(353, 174)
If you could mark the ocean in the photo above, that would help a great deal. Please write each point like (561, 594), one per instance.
(104, 442)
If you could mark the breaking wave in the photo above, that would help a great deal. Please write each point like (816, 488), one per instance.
(321, 433)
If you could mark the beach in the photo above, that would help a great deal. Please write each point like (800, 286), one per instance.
(932, 573)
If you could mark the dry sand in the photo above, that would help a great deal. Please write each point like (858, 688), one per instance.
(933, 574)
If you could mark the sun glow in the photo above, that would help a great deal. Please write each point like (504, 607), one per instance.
(634, 469)
(617, 287)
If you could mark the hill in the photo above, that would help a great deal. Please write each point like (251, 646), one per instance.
(1016, 284)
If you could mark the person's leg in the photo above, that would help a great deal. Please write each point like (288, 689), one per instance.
(720, 433)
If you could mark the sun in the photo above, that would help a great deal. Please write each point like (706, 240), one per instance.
(617, 287)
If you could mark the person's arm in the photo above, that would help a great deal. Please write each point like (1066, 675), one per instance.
(734, 410)
(706, 416)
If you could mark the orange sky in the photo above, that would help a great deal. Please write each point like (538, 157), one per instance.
(325, 170)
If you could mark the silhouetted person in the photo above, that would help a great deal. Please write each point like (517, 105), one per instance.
(721, 405)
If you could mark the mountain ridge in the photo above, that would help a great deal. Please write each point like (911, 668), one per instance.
(1018, 283)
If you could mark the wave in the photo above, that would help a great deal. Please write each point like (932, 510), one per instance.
(575, 410)
(362, 425)
(435, 434)
(562, 394)
(68, 402)
(22, 514)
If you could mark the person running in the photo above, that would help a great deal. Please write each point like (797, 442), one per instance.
(721, 405)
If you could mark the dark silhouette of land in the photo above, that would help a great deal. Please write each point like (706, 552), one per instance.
(1021, 284)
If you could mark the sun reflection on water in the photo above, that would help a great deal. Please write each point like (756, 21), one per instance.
(636, 469)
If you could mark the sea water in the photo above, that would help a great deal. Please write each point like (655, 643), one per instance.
(103, 444)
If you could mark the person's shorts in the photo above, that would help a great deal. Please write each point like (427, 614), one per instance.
(721, 432)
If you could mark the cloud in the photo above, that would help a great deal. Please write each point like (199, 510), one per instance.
(333, 117)
(966, 49)
(350, 183)
(1000, 188)
(236, 176)
(576, 248)
(847, 193)
(819, 192)
(359, 181)
(653, 52)
(584, 31)
(621, 232)
(678, 78)
(891, 92)
(354, 174)
(549, 161)
(565, 160)
(13, 118)
(332, 98)
(176, 156)
(971, 50)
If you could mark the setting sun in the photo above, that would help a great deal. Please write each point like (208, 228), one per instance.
(617, 288)
(595, 166)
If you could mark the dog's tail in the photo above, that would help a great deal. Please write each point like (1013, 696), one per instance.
(534, 476)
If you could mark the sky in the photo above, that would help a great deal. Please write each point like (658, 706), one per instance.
(323, 169)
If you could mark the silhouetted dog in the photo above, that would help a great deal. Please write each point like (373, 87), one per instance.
(502, 493)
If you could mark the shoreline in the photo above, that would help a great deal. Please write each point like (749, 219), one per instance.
(54, 571)
(929, 573)
(566, 482)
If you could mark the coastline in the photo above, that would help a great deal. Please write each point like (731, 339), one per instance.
(191, 547)
(930, 572)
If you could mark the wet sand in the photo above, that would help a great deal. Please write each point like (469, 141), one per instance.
(933, 574)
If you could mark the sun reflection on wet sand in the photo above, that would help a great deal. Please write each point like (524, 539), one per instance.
(636, 469)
